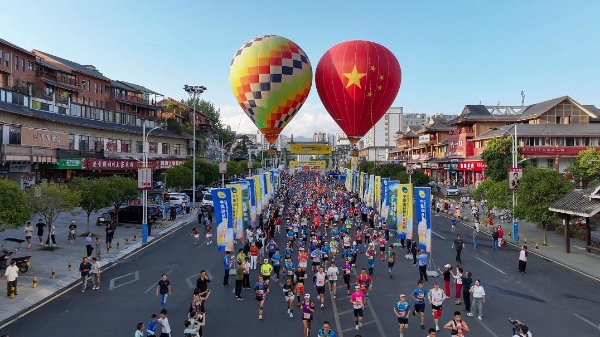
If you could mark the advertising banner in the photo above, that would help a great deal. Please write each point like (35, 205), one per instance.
(257, 194)
(348, 181)
(405, 211)
(269, 183)
(300, 148)
(514, 178)
(263, 189)
(377, 194)
(252, 198)
(392, 211)
(224, 217)
(236, 201)
(370, 191)
(354, 182)
(423, 216)
(361, 185)
(276, 181)
(383, 210)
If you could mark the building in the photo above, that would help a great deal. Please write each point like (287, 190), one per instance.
(60, 119)
(282, 142)
(380, 137)
(549, 134)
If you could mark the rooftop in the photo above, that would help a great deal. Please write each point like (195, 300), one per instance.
(84, 69)
(533, 130)
(2, 41)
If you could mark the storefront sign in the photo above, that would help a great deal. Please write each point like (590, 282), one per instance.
(69, 163)
(44, 138)
(22, 168)
(554, 150)
(424, 156)
(100, 164)
(475, 166)
(424, 139)
(435, 166)
(168, 163)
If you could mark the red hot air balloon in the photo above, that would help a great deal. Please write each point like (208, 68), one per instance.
(357, 82)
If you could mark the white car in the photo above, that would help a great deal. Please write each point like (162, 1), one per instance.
(452, 190)
(207, 201)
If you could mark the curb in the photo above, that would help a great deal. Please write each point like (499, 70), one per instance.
(123, 254)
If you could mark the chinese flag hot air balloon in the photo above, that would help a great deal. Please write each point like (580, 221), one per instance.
(270, 77)
(357, 82)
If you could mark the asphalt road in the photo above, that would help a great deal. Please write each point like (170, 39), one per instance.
(551, 300)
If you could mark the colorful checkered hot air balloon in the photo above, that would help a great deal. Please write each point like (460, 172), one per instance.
(270, 77)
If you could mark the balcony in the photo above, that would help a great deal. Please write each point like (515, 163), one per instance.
(63, 82)
(64, 153)
(135, 100)
(11, 152)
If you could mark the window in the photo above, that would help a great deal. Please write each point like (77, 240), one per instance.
(84, 143)
(14, 135)
(152, 147)
(106, 88)
(550, 162)
(569, 141)
(6, 59)
(71, 142)
(166, 148)
(567, 120)
(533, 162)
(577, 141)
(16, 63)
(97, 104)
(29, 64)
(23, 65)
(139, 146)
(106, 105)
(121, 107)
(557, 120)
(98, 144)
(177, 149)
(96, 87)
(126, 146)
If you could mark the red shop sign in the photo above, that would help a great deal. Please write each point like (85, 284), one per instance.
(475, 166)
(168, 163)
(101, 164)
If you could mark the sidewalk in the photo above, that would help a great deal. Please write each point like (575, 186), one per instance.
(578, 260)
(44, 262)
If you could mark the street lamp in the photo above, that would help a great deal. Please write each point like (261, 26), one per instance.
(514, 196)
(194, 91)
(146, 148)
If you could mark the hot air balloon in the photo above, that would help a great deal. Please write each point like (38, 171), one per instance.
(270, 77)
(357, 82)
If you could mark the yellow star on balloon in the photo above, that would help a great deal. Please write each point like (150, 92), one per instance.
(354, 77)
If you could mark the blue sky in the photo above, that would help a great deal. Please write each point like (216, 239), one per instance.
(452, 52)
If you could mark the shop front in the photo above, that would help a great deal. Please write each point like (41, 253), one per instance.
(62, 171)
(471, 172)
(98, 167)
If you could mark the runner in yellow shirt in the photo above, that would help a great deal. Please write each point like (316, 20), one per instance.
(266, 269)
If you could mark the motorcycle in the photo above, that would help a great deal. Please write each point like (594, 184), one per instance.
(8, 249)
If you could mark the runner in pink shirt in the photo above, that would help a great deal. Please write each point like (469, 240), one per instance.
(358, 303)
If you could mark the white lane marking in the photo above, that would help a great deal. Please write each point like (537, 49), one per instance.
(487, 328)
(490, 265)
(364, 323)
(136, 277)
(154, 285)
(443, 238)
(587, 321)
(336, 314)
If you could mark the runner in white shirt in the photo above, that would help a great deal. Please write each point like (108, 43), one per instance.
(319, 280)
(332, 275)
(436, 297)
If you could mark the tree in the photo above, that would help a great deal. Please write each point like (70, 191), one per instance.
(214, 116)
(586, 166)
(498, 158)
(95, 194)
(206, 172)
(180, 176)
(539, 188)
(240, 147)
(122, 189)
(395, 172)
(16, 209)
(496, 193)
(48, 201)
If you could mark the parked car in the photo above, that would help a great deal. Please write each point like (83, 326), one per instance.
(176, 199)
(190, 194)
(451, 190)
(207, 201)
(103, 219)
(135, 213)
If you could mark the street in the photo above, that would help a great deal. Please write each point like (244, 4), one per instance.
(546, 294)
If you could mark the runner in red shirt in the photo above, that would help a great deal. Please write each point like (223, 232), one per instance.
(365, 282)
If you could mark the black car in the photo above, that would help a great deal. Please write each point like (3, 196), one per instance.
(134, 213)
(103, 219)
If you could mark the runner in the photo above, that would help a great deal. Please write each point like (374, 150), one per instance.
(276, 259)
(319, 281)
(300, 276)
(391, 259)
(358, 303)
(325, 249)
(418, 296)
(401, 310)
(457, 325)
(436, 297)
(288, 293)
(326, 331)
(316, 256)
(381, 246)
(308, 308)
(266, 269)
(347, 272)
(332, 276)
(364, 282)
(302, 258)
(371, 253)
(289, 268)
(261, 288)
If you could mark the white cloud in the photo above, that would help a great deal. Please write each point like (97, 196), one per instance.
(311, 118)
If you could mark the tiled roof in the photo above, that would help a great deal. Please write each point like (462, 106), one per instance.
(533, 130)
(16, 47)
(73, 65)
(580, 203)
(56, 67)
(137, 87)
(90, 123)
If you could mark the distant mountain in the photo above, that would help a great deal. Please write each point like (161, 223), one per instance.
(302, 139)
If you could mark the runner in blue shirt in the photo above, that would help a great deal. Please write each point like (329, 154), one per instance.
(271, 246)
(276, 260)
(401, 309)
(419, 295)
(326, 331)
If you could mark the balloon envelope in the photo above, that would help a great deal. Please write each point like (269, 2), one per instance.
(357, 82)
(270, 77)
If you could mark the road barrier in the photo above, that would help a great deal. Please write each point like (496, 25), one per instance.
(135, 238)
(53, 276)
(118, 244)
(69, 266)
(12, 292)
(34, 282)
(126, 241)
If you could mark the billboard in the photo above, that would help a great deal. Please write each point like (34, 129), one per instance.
(514, 178)
(404, 213)
(307, 148)
(423, 217)
(238, 210)
(311, 163)
(224, 217)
